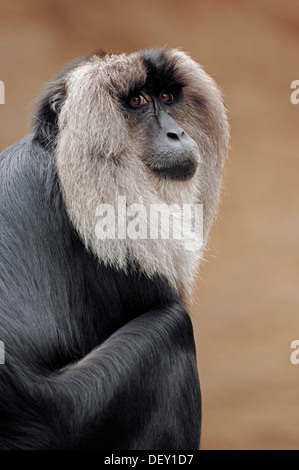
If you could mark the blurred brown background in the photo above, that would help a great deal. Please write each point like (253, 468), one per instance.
(247, 295)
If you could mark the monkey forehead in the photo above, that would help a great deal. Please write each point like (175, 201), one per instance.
(114, 72)
(122, 72)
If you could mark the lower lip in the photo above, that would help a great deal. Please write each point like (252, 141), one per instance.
(181, 172)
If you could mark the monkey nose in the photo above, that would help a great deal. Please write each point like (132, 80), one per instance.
(175, 135)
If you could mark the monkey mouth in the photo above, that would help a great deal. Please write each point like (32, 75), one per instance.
(179, 171)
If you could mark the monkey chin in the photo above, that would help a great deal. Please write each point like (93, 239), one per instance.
(179, 171)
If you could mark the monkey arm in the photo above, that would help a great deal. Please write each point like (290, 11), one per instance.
(133, 386)
(127, 393)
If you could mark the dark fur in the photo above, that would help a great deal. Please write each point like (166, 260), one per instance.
(48, 107)
(161, 75)
(137, 387)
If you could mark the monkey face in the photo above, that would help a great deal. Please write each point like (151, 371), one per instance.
(149, 124)
(169, 152)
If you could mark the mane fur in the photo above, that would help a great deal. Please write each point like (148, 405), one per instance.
(99, 158)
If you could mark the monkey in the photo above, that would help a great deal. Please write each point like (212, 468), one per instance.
(99, 344)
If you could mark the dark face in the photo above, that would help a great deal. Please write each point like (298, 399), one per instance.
(168, 152)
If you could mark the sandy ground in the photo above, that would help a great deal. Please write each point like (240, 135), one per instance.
(245, 313)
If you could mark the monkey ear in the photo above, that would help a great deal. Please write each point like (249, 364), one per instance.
(45, 121)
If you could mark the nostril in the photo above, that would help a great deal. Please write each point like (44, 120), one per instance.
(173, 135)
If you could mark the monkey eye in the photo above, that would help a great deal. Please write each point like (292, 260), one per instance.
(166, 97)
(137, 101)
